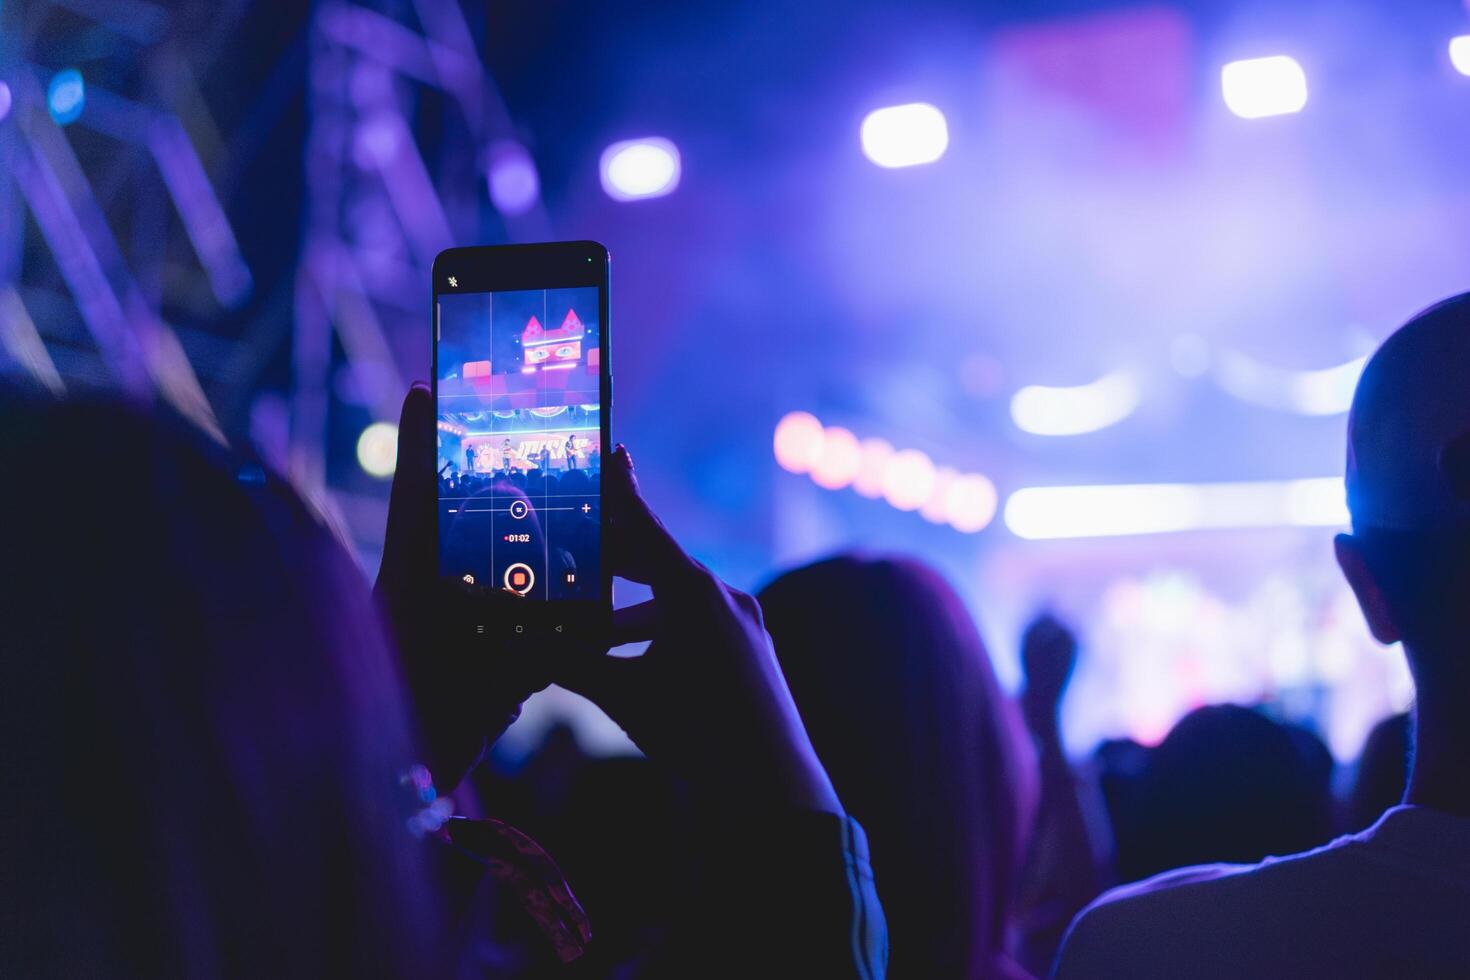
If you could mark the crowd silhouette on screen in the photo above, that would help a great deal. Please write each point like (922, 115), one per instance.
(228, 755)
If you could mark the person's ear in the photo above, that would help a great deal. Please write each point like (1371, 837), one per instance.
(1371, 599)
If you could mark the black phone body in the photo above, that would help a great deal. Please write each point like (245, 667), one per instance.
(522, 383)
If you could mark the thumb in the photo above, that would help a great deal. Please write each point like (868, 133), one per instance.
(641, 547)
(408, 541)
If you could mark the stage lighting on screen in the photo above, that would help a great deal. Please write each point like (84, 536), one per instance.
(1460, 53)
(641, 168)
(66, 96)
(1260, 87)
(512, 178)
(905, 135)
(4, 100)
(377, 449)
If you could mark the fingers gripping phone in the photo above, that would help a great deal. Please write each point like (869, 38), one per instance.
(523, 399)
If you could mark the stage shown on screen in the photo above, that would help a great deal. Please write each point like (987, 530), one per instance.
(520, 441)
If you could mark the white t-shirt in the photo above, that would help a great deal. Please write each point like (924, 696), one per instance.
(1392, 901)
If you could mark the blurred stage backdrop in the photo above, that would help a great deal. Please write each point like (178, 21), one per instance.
(1066, 297)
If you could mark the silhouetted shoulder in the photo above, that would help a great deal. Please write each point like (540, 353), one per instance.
(1374, 904)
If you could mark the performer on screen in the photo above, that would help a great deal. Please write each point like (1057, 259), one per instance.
(506, 455)
(545, 457)
(571, 451)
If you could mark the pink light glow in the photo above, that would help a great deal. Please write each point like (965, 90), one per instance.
(838, 464)
(872, 465)
(909, 480)
(798, 442)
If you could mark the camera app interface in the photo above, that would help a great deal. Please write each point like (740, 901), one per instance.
(520, 446)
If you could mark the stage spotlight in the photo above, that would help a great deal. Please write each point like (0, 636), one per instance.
(1259, 87)
(837, 466)
(640, 168)
(1460, 53)
(66, 96)
(511, 175)
(4, 100)
(970, 503)
(377, 449)
(905, 135)
(872, 465)
(798, 442)
(908, 480)
(1050, 411)
(1158, 508)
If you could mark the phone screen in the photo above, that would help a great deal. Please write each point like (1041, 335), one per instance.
(522, 396)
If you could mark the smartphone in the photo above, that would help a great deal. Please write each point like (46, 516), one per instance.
(523, 397)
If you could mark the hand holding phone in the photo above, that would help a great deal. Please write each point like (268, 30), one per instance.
(522, 406)
(707, 698)
(465, 693)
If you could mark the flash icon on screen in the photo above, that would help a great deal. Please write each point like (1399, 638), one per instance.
(453, 282)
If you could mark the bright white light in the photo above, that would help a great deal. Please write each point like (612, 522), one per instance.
(640, 168)
(1317, 502)
(837, 466)
(905, 135)
(1460, 53)
(1047, 411)
(970, 503)
(798, 442)
(1259, 87)
(1325, 391)
(377, 449)
(909, 479)
(1156, 508)
(512, 178)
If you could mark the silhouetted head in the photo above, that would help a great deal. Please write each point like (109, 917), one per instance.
(202, 725)
(924, 749)
(1226, 784)
(1408, 479)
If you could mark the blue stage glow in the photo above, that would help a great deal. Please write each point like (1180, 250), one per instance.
(511, 175)
(66, 96)
(5, 100)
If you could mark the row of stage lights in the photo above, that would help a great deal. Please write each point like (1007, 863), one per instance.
(909, 480)
(894, 136)
(917, 132)
(836, 459)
